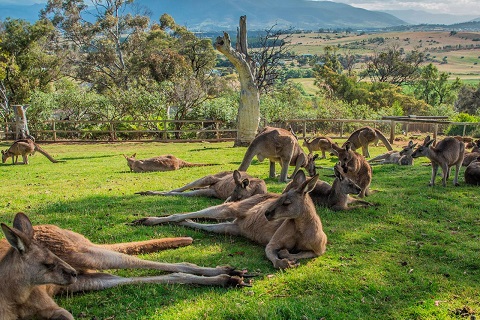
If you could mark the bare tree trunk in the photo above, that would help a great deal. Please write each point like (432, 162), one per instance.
(249, 106)
(21, 124)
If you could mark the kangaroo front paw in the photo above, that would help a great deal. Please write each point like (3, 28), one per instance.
(285, 264)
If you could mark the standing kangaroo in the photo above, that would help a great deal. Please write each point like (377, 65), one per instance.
(336, 196)
(39, 262)
(226, 185)
(403, 157)
(323, 144)
(355, 167)
(287, 224)
(161, 163)
(24, 147)
(278, 145)
(447, 153)
(362, 137)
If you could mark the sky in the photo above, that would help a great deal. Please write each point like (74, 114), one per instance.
(458, 7)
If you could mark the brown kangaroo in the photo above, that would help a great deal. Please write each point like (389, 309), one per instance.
(287, 224)
(39, 262)
(336, 196)
(471, 156)
(472, 172)
(323, 144)
(24, 147)
(403, 157)
(362, 137)
(161, 163)
(447, 153)
(226, 185)
(278, 145)
(355, 167)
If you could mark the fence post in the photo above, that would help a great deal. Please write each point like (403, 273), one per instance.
(341, 129)
(464, 130)
(392, 131)
(435, 131)
(54, 131)
(217, 133)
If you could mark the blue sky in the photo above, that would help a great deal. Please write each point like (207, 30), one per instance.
(459, 7)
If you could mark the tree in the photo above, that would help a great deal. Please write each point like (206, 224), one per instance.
(434, 87)
(101, 52)
(468, 100)
(249, 106)
(394, 66)
(26, 64)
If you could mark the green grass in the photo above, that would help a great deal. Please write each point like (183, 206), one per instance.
(415, 255)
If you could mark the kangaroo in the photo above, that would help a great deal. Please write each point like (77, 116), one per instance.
(286, 224)
(24, 147)
(355, 167)
(278, 145)
(447, 153)
(471, 156)
(226, 185)
(336, 196)
(362, 137)
(403, 157)
(39, 262)
(472, 172)
(161, 163)
(323, 144)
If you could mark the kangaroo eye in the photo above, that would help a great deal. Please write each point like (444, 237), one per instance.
(49, 266)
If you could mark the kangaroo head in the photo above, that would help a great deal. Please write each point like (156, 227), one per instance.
(347, 186)
(130, 160)
(310, 166)
(241, 190)
(345, 154)
(408, 150)
(422, 150)
(35, 264)
(291, 204)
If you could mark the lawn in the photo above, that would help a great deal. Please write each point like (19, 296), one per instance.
(414, 255)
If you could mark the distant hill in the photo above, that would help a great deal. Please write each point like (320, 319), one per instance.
(210, 15)
(219, 15)
(423, 17)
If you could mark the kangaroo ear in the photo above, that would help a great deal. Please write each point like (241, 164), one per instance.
(348, 145)
(308, 185)
(429, 143)
(336, 171)
(410, 144)
(22, 223)
(134, 155)
(299, 178)
(427, 138)
(315, 156)
(245, 183)
(16, 239)
(237, 176)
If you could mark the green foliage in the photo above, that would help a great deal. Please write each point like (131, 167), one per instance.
(468, 99)
(414, 255)
(454, 130)
(434, 88)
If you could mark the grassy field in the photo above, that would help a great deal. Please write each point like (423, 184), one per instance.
(460, 49)
(414, 255)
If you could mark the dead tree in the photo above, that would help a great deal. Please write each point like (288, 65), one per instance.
(249, 107)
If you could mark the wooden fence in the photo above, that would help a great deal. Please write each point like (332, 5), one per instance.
(213, 130)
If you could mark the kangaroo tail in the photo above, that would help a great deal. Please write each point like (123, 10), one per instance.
(45, 153)
(247, 159)
(384, 139)
(148, 246)
(188, 164)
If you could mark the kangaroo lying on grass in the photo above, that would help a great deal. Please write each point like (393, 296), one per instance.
(226, 185)
(472, 172)
(161, 163)
(24, 147)
(362, 137)
(335, 196)
(286, 224)
(355, 167)
(278, 145)
(471, 156)
(403, 157)
(39, 262)
(447, 153)
(323, 144)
